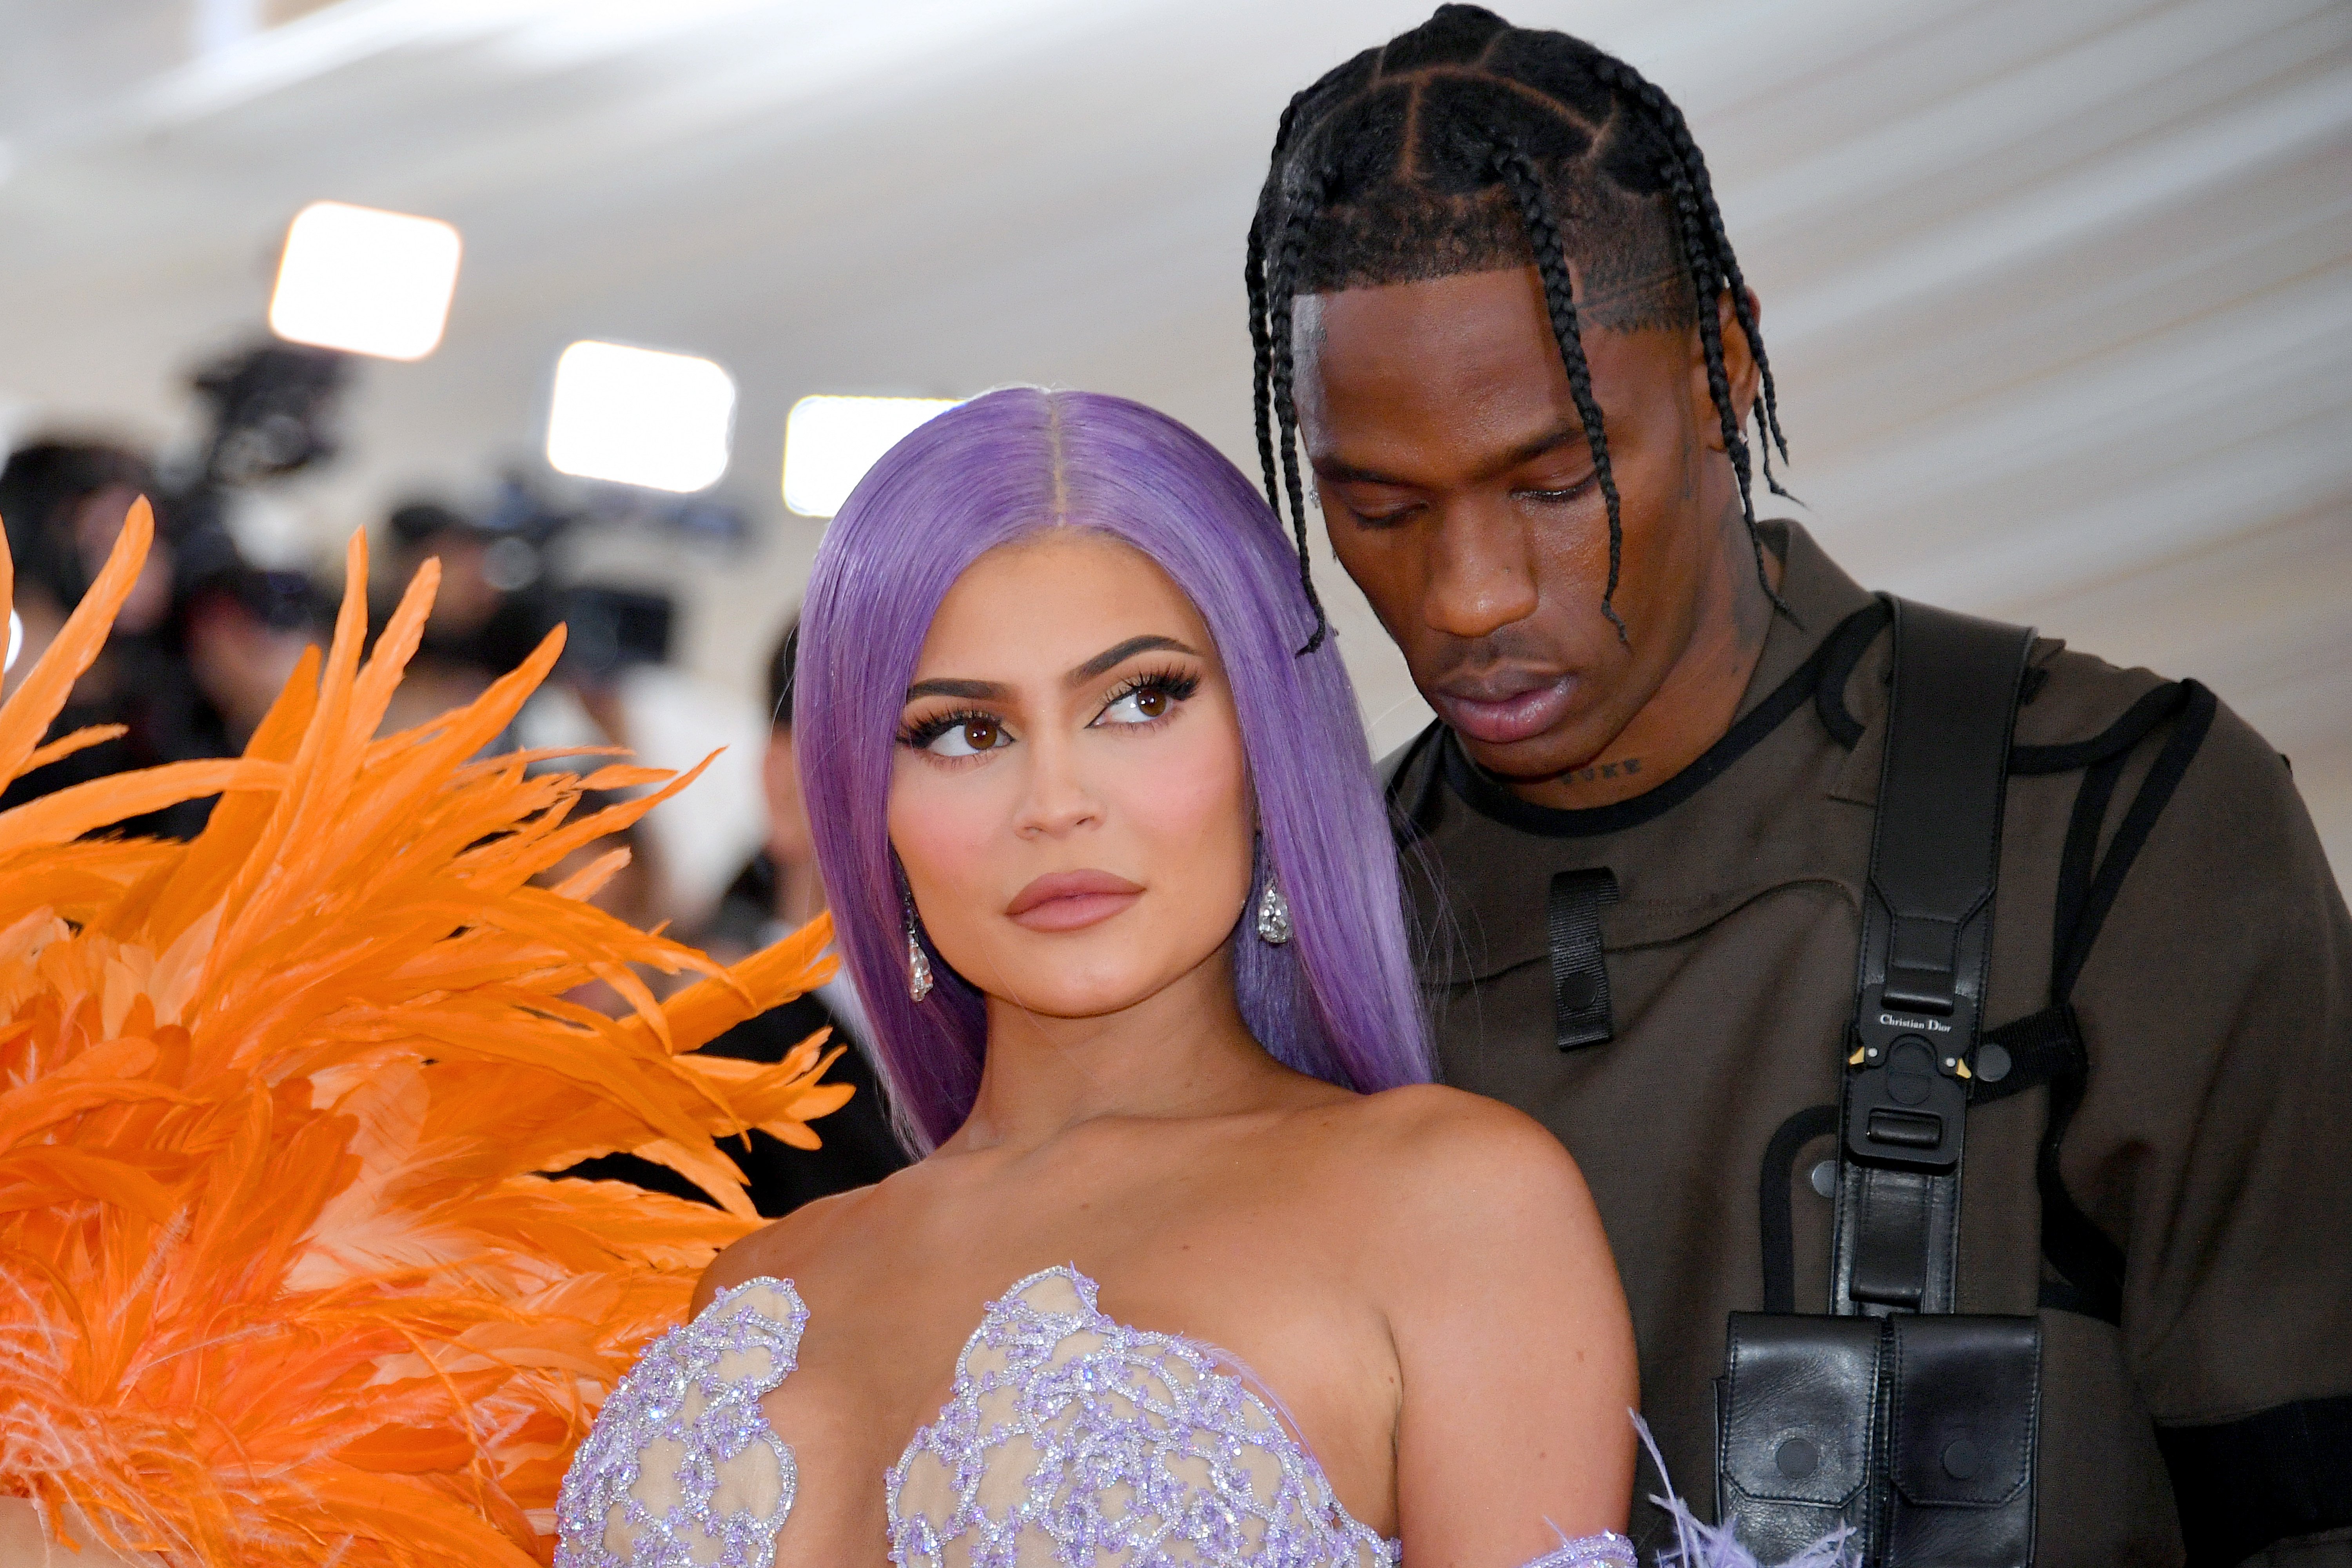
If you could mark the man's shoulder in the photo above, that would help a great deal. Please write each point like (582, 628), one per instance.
(2078, 699)
(2200, 812)
(2072, 697)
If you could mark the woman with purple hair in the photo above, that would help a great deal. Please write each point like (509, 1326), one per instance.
(1196, 1266)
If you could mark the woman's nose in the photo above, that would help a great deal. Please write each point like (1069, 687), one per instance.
(1058, 800)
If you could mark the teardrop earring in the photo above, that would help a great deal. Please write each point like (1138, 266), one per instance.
(918, 962)
(1273, 915)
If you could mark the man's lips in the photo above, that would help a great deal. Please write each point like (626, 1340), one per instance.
(1066, 901)
(1498, 712)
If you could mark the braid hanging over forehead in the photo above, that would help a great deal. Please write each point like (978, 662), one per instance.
(1470, 145)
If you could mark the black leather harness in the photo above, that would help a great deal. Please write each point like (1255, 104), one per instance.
(1893, 1419)
(1911, 1426)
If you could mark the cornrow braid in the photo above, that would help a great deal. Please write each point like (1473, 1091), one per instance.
(1551, 264)
(1718, 379)
(1722, 263)
(1260, 354)
(1261, 336)
(1282, 297)
(1712, 272)
(1388, 171)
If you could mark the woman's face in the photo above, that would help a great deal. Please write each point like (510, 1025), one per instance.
(1068, 795)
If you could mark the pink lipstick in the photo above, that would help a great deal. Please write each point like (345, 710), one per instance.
(1070, 900)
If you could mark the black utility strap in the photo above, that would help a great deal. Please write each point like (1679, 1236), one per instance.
(1927, 940)
(1579, 976)
(2241, 1485)
(1774, 1216)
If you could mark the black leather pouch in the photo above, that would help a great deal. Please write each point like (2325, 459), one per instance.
(1916, 1433)
(1965, 1398)
(1797, 1406)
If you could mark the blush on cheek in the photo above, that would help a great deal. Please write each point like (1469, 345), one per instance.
(943, 837)
(1191, 807)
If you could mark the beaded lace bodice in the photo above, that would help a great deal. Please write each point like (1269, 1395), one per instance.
(1071, 1439)
(1067, 1439)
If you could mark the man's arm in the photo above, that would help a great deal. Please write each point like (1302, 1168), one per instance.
(2214, 1143)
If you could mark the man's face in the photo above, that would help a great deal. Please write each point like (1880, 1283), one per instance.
(1459, 492)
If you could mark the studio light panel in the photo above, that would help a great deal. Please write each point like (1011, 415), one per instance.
(366, 281)
(640, 417)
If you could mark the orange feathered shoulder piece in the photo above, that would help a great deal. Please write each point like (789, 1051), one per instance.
(283, 1283)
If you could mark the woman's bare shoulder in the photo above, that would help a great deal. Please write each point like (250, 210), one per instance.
(1454, 1144)
(1441, 1178)
(799, 1244)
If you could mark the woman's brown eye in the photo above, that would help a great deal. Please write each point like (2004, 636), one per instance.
(1143, 704)
(967, 737)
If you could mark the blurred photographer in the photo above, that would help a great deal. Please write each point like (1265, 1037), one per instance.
(64, 502)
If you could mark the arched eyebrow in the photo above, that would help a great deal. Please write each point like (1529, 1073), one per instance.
(1109, 659)
(1118, 653)
(974, 690)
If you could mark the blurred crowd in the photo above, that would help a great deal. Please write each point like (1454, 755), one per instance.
(209, 639)
(201, 646)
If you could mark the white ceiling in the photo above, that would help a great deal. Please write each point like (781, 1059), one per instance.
(2059, 294)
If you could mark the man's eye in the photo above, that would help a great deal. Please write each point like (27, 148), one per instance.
(1387, 515)
(968, 738)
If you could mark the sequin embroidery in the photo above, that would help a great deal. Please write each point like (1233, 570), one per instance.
(1071, 1439)
(682, 1468)
(1068, 1440)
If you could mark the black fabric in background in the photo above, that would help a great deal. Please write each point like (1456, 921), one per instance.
(858, 1151)
(167, 719)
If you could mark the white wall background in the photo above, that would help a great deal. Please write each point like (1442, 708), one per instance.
(2059, 291)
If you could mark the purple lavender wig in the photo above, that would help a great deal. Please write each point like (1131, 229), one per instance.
(1338, 1000)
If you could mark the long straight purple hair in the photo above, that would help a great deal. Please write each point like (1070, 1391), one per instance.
(1338, 1000)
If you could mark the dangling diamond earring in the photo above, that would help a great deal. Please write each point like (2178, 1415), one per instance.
(918, 962)
(1273, 915)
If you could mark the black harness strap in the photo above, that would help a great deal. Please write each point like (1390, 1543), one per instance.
(1926, 945)
(2047, 1047)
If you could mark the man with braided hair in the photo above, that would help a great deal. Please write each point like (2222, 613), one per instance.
(1666, 803)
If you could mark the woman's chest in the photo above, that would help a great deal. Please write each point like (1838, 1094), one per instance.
(1059, 1427)
(934, 1378)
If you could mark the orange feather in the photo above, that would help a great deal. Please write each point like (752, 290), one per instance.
(284, 1282)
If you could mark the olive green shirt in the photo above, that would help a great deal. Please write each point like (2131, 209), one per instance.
(2215, 1005)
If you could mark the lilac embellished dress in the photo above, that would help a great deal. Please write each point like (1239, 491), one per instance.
(1069, 1440)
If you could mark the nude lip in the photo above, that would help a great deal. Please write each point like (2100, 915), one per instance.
(1068, 901)
(1518, 711)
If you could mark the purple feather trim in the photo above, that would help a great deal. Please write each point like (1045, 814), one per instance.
(1698, 1544)
(1607, 1548)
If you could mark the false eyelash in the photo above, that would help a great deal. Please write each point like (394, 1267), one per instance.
(1179, 684)
(920, 735)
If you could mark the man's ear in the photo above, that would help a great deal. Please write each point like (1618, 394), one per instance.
(1738, 369)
